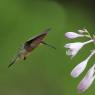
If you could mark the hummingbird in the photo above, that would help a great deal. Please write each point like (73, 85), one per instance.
(30, 45)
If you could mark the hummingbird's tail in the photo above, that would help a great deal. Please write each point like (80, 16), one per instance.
(14, 61)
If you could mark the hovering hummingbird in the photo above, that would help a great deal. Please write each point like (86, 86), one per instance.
(30, 45)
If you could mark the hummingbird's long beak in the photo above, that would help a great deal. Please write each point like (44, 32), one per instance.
(48, 45)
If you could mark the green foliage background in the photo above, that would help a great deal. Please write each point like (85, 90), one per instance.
(46, 71)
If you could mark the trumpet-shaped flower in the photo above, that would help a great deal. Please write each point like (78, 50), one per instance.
(81, 67)
(83, 31)
(72, 35)
(75, 47)
(87, 80)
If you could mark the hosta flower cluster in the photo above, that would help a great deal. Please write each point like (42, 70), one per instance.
(73, 49)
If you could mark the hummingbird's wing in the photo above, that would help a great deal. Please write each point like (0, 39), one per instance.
(34, 42)
(39, 37)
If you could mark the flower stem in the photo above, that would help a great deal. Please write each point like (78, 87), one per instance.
(89, 41)
(92, 53)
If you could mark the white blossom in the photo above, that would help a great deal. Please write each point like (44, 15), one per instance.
(75, 47)
(81, 67)
(82, 31)
(86, 82)
(72, 35)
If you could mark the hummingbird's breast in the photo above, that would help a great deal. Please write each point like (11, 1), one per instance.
(22, 54)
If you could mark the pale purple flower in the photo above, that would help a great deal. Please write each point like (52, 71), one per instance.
(75, 47)
(86, 82)
(81, 67)
(72, 35)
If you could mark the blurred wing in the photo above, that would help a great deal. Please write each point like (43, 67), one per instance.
(39, 37)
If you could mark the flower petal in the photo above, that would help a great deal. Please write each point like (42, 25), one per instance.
(72, 35)
(79, 69)
(87, 80)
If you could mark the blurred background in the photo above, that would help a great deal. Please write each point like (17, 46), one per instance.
(45, 71)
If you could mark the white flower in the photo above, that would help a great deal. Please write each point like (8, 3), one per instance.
(73, 35)
(81, 67)
(75, 47)
(87, 80)
(83, 31)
